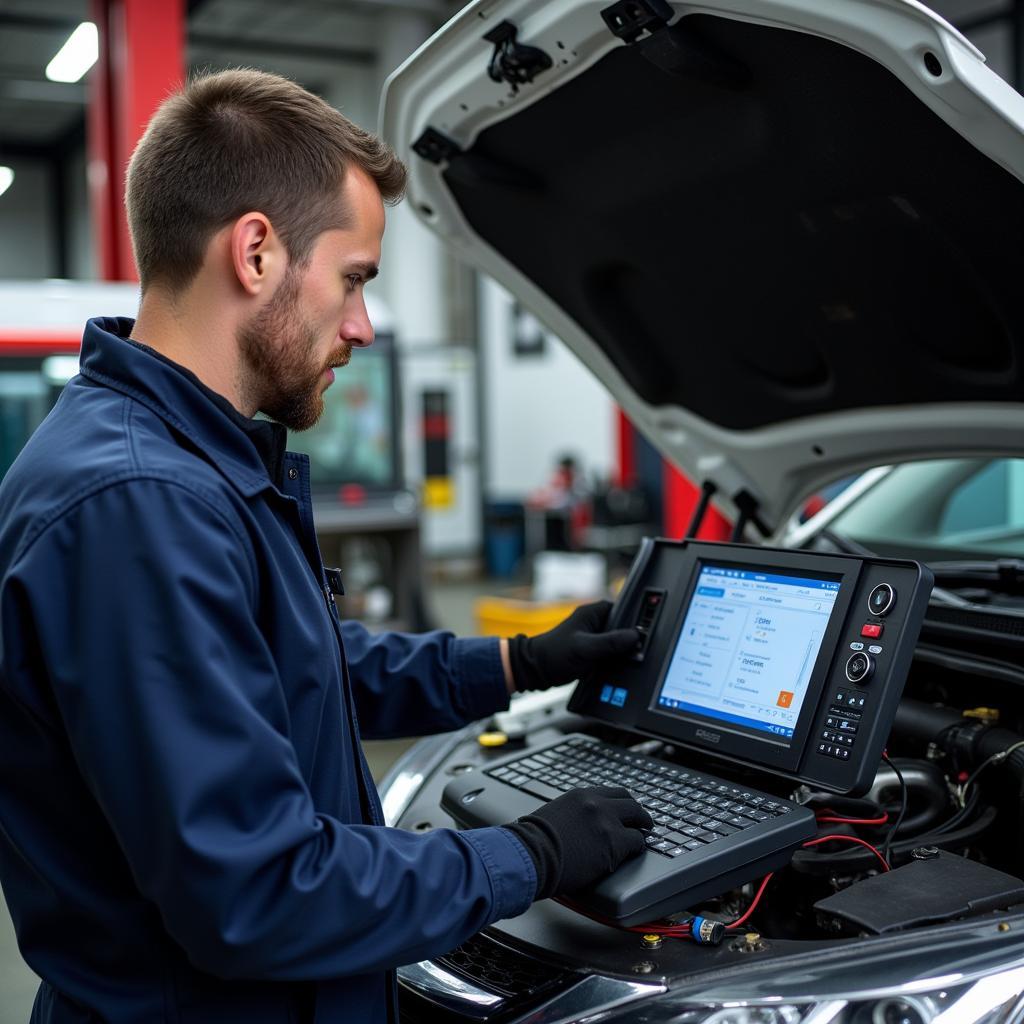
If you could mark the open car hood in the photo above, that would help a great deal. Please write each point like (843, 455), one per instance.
(785, 234)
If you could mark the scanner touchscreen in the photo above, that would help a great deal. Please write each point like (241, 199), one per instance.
(747, 648)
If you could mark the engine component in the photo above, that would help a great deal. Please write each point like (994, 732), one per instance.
(926, 891)
(928, 796)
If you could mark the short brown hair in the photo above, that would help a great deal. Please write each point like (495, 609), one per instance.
(236, 141)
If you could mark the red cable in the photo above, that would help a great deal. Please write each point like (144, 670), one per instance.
(849, 839)
(753, 903)
(855, 821)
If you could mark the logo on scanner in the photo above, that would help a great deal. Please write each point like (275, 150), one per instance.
(711, 737)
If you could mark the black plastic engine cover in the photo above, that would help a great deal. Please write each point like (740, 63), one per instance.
(940, 888)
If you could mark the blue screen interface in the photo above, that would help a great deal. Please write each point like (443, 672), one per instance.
(747, 648)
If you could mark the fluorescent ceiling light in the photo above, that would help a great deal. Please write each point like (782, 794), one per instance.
(76, 56)
(6, 177)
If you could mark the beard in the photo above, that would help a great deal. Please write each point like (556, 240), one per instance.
(279, 366)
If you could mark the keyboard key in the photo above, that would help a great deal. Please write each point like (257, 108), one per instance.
(721, 828)
(541, 789)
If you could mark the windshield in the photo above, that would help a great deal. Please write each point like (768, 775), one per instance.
(942, 509)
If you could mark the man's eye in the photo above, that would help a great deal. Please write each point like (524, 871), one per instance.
(355, 280)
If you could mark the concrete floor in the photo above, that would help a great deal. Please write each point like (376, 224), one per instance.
(453, 608)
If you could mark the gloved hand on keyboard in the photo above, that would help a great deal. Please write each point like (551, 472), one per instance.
(581, 836)
(567, 651)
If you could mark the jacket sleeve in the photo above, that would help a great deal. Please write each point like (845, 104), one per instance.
(416, 684)
(142, 601)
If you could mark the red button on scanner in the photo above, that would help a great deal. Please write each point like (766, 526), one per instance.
(871, 629)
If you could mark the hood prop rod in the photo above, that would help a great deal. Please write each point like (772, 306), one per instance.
(707, 492)
(747, 506)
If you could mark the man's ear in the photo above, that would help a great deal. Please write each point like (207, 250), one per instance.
(257, 255)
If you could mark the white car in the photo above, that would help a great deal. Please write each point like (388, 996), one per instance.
(786, 235)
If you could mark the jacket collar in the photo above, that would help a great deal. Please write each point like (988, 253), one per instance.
(227, 439)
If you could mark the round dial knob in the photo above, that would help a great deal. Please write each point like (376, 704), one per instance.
(859, 667)
(881, 599)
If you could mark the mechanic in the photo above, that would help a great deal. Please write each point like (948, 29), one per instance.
(188, 828)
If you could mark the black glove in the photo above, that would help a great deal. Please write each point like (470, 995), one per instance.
(567, 651)
(581, 836)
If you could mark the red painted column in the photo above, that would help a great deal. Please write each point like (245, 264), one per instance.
(625, 436)
(142, 59)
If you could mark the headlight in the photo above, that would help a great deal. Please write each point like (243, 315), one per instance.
(996, 998)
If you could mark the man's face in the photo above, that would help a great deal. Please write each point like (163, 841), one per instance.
(291, 347)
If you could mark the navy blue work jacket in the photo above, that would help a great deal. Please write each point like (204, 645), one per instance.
(188, 829)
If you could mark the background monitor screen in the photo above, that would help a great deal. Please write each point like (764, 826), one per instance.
(356, 439)
(747, 648)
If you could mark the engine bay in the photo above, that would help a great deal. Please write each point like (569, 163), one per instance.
(944, 818)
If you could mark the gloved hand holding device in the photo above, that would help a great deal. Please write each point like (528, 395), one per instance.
(564, 653)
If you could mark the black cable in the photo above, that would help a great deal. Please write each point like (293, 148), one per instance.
(996, 758)
(887, 845)
(965, 813)
(859, 860)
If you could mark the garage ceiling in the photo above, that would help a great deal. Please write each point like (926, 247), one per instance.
(305, 39)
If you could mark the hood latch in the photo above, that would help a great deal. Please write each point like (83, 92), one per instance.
(630, 19)
(677, 49)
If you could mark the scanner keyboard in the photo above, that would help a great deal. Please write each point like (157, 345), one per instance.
(691, 810)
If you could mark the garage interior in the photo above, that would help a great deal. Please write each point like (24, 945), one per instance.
(467, 516)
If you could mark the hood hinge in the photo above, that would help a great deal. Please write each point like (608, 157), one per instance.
(512, 62)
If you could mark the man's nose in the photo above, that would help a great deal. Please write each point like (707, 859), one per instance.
(357, 329)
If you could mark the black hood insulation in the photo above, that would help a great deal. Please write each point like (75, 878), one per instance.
(802, 237)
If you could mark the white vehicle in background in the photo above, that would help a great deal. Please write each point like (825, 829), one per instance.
(785, 234)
